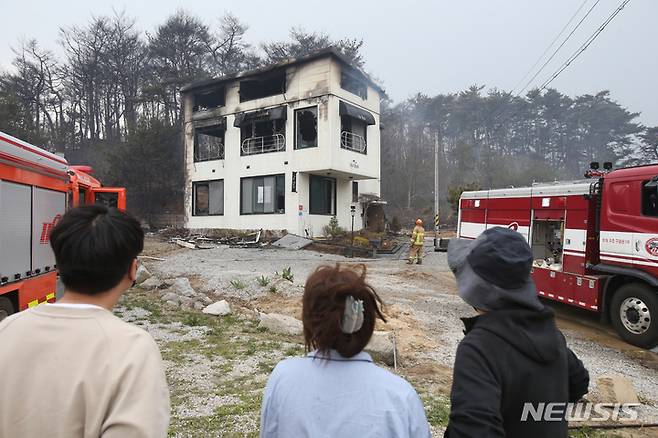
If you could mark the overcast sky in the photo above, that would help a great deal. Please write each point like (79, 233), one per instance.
(429, 46)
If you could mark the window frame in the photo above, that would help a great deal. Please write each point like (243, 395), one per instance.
(346, 74)
(276, 190)
(217, 91)
(195, 149)
(643, 198)
(310, 195)
(278, 127)
(279, 75)
(295, 124)
(351, 130)
(207, 182)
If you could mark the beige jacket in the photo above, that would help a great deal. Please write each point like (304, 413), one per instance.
(79, 372)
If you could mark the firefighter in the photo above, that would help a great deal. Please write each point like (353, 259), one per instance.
(417, 241)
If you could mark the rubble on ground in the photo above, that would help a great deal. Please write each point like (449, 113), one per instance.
(202, 241)
(292, 241)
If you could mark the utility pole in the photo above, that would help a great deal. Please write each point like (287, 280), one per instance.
(436, 189)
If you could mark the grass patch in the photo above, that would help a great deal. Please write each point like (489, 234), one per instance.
(193, 320)
(238, 285)
(295, 350)
(263, 281)
(437, 410)
(588, 432)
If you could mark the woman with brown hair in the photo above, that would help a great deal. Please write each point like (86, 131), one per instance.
(337, 390)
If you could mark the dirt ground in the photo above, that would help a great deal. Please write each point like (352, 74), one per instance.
(422, 309)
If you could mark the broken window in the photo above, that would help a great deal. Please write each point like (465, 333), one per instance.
(262, 131)
(322, 195)
(306, 128)
(208, 198)
(263, 195)
(263, 86)
(209, 143)
(207, 100)
(350, 82)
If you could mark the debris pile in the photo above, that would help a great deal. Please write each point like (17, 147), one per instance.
(201, 241)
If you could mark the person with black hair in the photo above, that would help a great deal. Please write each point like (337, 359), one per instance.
(336, 390)
(72, 368)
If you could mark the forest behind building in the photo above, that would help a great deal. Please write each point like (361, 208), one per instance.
(109, 96)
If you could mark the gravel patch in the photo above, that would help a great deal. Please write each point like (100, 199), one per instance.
(204, 406)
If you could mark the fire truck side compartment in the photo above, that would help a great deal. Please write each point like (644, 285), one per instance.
(15, 205)
(47, 208)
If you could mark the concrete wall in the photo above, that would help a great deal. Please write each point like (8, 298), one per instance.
(314, 84)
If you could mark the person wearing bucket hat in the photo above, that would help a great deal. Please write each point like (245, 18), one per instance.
(513, 357)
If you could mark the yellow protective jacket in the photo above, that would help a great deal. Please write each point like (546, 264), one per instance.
(418, 235)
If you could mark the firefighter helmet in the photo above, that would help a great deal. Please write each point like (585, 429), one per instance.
(419, 222)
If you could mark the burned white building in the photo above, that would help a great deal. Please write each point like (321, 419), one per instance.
(283, 147)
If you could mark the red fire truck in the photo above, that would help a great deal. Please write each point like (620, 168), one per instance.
(36, 187)
(594, 242)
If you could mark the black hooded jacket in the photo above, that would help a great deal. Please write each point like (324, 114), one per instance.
(507, 358)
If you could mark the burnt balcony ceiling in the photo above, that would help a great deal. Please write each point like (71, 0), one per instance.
(259, 87)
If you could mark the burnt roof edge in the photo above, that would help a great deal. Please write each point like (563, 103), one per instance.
(333, 52)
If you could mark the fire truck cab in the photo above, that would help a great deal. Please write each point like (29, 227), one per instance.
(85, 189)
(594, 242)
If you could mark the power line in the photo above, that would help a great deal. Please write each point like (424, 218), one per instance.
(584, 46)
(559, 47)
(549, 47)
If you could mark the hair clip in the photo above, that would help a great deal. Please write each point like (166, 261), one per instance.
(352, 319)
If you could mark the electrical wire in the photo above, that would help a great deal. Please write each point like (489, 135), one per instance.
(549, 47)
(584, 46)
(589, 11)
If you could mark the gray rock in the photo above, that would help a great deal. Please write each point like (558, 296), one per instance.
(151, 283)
(181, 286)
(170, 296)
(220, 308)
(143, 274)
(282, 324)
(381, 347)
(186, 301)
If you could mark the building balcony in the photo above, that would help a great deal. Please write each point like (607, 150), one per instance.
(264, 144)
(353, 142)
(209, 152)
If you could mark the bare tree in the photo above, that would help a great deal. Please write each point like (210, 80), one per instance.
(179, 52)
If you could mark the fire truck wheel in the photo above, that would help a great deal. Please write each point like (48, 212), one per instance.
(6, 308)
(634, 314)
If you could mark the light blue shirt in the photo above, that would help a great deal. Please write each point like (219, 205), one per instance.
(335, 397)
